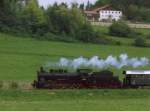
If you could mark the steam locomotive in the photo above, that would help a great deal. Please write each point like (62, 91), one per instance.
(86, 79)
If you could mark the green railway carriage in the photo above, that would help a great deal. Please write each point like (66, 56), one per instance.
(136, 78)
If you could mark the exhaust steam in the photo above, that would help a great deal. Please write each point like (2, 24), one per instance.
(95, 62)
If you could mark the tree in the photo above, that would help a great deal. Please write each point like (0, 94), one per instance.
(133, 12)
(101, 3)
(65, 20)
(74, 5)
(59, 18)
(86, 34)
(89, 5)
(33, 16)
(33, 10)
(81, 6)
(8, 12)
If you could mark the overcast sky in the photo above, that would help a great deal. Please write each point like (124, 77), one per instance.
(45, 3)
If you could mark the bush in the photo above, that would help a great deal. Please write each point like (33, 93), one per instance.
(118, 43)
(120, 29)
(87, 34)
(102, 39)
(14, 85)
(147, 36)
(54, 37)
(140, 42)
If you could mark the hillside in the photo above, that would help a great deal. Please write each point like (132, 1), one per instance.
(20, 58)
(124, 40)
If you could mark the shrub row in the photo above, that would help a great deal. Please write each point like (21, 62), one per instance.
(121, 29)
(12, 85)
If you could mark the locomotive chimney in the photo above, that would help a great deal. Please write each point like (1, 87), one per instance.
(42, 69)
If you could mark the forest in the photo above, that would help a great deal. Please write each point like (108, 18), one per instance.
(57, 22)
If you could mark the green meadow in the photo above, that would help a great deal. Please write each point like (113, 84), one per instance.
(75, 100)
(20, 58)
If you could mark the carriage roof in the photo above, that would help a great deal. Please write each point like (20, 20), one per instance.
(136, 72)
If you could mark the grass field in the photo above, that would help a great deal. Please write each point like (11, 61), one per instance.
(21, 57)
(75, 100)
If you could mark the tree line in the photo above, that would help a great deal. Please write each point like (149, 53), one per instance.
(57, 22)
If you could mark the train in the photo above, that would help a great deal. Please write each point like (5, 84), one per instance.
(88, 79)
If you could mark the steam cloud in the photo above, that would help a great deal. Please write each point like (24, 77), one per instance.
(111, 61)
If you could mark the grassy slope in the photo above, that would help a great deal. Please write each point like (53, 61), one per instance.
(20, 57)
(124, 41)
(106, 30)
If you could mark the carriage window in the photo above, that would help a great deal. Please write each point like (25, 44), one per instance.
(134, 76)
(146, 76)
(139, 76)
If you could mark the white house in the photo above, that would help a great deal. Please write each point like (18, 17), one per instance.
(105, 13)
(110, 15)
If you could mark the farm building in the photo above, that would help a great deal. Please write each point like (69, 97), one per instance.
(105, 13)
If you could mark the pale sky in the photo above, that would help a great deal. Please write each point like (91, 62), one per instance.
(45, 3)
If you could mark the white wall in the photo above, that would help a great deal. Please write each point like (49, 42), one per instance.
(110, 14)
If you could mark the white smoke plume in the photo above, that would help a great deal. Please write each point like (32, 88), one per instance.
(117, 62)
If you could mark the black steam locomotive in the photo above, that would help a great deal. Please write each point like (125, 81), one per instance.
(85, 78)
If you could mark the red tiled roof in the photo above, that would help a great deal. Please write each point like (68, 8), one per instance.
(95, 11)
(90, 12)
(101, 8)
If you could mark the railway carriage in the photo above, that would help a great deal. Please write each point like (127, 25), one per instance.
(136, 78)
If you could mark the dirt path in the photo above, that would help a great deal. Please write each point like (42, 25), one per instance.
(132, 25)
